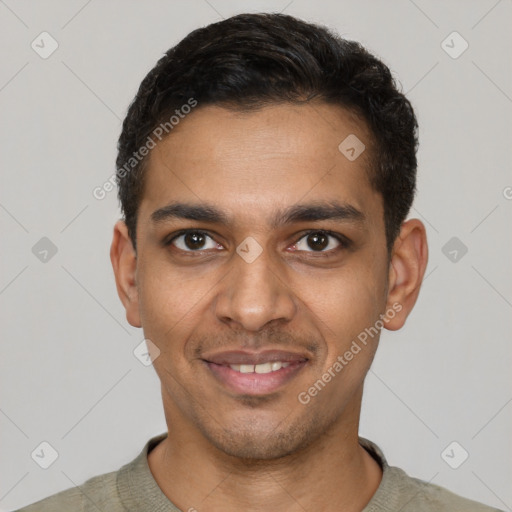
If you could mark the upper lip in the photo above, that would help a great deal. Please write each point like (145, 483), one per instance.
(245, 357)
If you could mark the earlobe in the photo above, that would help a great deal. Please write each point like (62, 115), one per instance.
(407, 267)
(124, 263)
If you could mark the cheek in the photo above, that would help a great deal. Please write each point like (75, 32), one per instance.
(347, 308)
(350, 300)
(347, 305)
(168, 303)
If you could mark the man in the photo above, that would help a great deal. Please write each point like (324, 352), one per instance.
(265, 169)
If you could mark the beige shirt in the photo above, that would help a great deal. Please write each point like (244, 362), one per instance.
(133, 489)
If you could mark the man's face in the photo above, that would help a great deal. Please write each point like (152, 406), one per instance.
(299, 289)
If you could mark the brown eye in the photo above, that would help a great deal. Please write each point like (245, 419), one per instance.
(318, 241)
(194, 241)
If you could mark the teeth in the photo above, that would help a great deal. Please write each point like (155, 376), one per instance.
(259, 368)
(263, 368)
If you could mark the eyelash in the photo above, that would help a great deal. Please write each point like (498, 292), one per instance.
(344, 242)
(167, 242)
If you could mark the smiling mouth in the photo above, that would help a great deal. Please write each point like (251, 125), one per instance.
(259, 368)
(255, 374)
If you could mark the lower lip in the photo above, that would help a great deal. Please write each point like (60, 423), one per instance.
(255, 383)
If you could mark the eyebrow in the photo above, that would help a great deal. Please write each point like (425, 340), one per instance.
(318, 211)
(333, 210)
(202, 213)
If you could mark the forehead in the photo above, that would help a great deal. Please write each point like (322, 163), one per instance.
(254, 162)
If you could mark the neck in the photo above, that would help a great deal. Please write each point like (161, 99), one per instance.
(333, 473)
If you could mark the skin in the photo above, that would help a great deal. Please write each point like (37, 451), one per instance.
(227, 451)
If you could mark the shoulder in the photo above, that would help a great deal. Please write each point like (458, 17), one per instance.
(97, 493)
(108, 491)
(422, 496)
(399, 491)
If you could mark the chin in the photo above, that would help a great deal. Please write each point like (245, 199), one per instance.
(256, 442)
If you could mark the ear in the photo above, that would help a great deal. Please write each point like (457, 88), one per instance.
(406, 270)
(124, 262)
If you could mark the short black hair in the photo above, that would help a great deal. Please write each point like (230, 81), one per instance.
(250, 61)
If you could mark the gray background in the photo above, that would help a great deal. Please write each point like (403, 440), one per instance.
(68, 373)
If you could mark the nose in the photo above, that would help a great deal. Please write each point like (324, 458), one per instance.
(254, 294)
